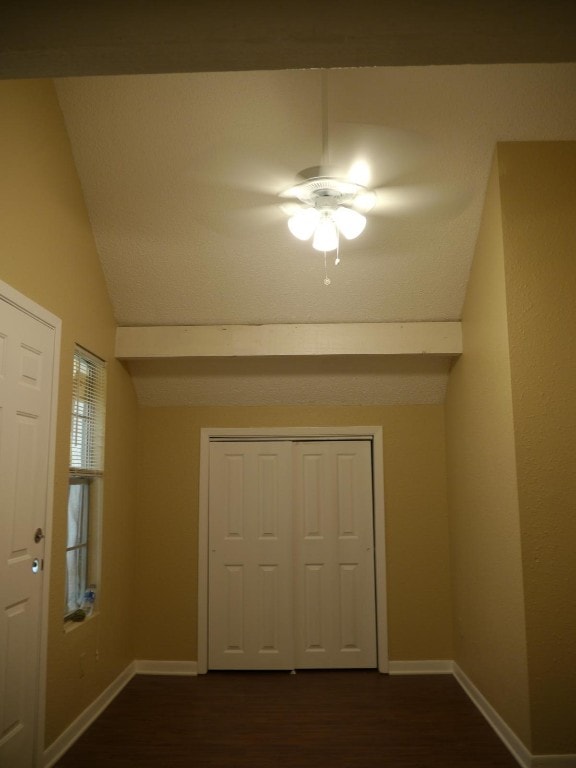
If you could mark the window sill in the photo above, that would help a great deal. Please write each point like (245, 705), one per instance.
(70, 626)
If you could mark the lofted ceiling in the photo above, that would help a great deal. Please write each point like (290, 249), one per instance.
(181, 174)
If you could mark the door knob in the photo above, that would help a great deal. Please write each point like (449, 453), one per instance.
(39, 535)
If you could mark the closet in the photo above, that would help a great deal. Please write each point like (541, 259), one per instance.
(291, 581)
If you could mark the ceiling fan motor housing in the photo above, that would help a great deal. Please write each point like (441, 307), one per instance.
(327, 192)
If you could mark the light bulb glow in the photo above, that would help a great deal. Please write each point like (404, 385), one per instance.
(326, 235)
(329, 208)
(364, 201)
(360, 173)
(303, 223)
(350, 223)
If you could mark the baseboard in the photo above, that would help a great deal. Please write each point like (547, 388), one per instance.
(503, 731)
(417, 667)
(140, 667)
(63, 743)
(506, 734)
(145, 667)
(425, 667)
(525, 758)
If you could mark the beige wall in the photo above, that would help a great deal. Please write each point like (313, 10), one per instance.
(538, 189)
(511, 437)
(488, 595)
(47, 253)
(416, 521)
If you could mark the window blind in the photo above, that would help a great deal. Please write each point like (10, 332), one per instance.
(88, 414)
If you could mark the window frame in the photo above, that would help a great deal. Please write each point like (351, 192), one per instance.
(87, 435)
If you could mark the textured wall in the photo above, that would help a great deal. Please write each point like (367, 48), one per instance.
(538, 188)
(48, 254)
(489, 637)
(416, 521)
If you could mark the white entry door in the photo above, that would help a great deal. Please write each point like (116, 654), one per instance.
(291, 556)
(27, 350)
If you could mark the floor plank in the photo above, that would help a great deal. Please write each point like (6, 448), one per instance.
(349, 719)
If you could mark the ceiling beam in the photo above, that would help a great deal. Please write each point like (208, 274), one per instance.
(179, 341)
(59, 38)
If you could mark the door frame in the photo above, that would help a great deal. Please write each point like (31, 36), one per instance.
(22, 303)
(374, 434)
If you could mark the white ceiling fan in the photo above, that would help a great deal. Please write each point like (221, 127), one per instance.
(378, 171)
(364, 170)
(329, 204)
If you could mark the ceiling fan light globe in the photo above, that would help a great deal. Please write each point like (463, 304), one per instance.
(326, 235)
(350, 223)
(303, 223)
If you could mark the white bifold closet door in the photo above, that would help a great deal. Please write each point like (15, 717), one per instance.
(250, 550)
(291, 555)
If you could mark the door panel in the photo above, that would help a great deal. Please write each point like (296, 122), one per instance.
(335, 614)
(291, 560)
(249, 556)
(26, 362)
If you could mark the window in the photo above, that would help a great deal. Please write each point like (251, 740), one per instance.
(86, 475)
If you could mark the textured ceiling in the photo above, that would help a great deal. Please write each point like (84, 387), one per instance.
(181, 175)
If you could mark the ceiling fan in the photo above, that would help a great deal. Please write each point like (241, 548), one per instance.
(364, 170)
(330, 201)
(329, 205)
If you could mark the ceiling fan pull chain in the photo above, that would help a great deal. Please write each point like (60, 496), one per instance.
(327, 280)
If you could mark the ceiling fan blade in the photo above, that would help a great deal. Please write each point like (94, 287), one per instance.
(252, 220)
(291, 207)
(373, 155)
(404, 170)
(253, 169)
(232, 212)
(440, 199)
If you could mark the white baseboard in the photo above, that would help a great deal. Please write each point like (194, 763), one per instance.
(417, 667)
(426, 667)
(506, 734)
(525, 758)
(63, 743)
(144, 667)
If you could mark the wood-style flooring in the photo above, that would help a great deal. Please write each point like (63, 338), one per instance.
(332, 719)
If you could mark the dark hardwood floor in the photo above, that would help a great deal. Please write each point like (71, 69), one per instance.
(350, 719)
